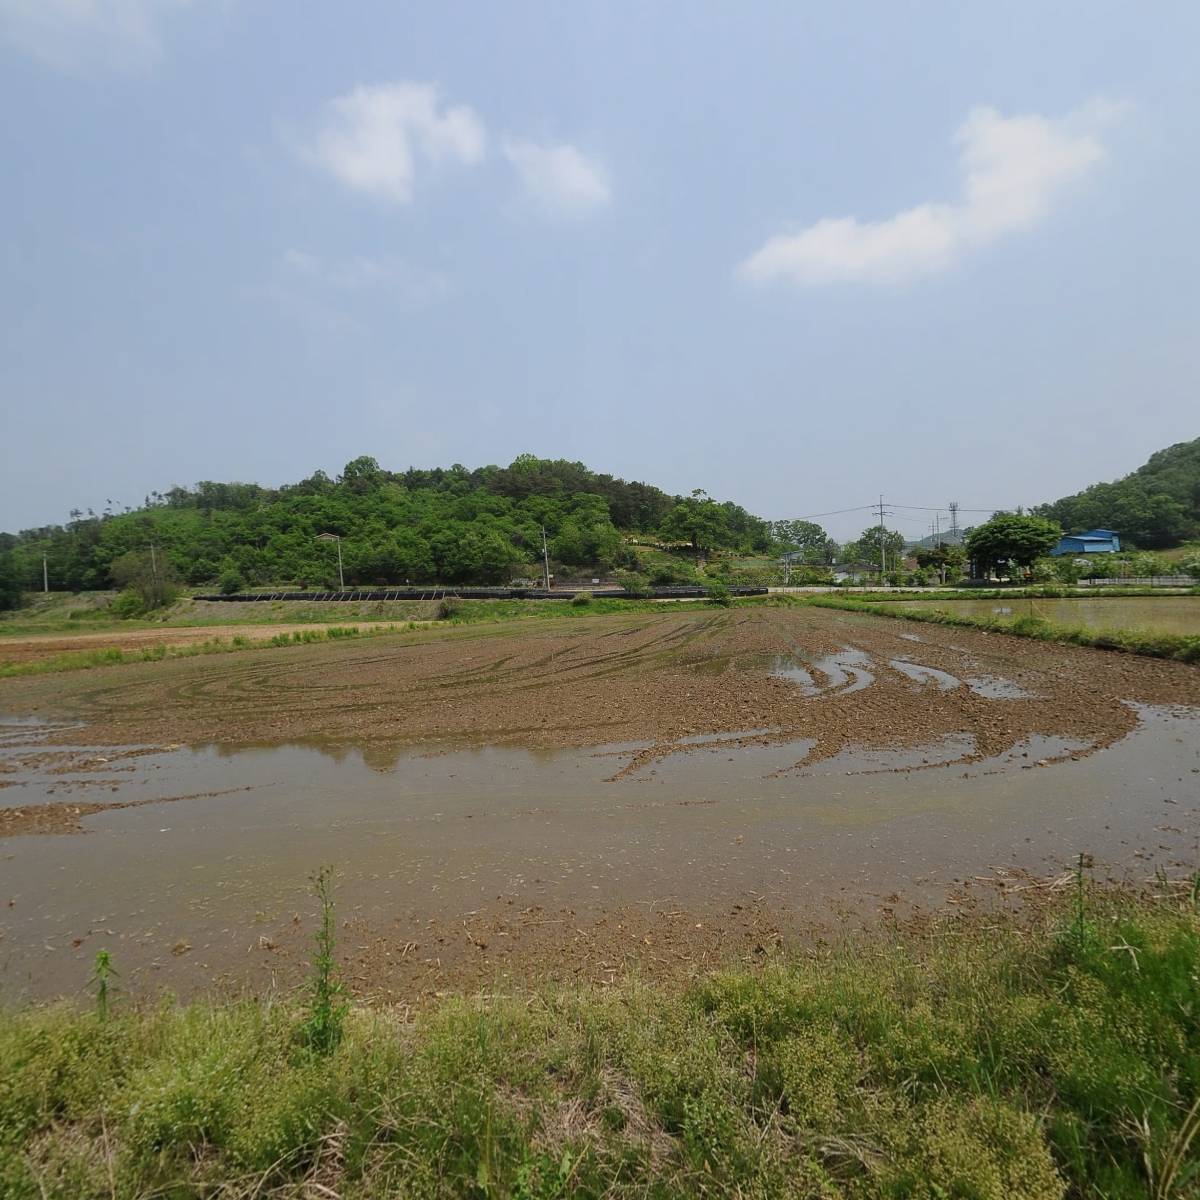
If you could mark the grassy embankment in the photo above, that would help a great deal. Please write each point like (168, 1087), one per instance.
(1037, 591)
(984, 1059)
(1182, 647)
(82, 660)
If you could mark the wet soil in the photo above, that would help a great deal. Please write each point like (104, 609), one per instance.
(648, 678)
(576, 799)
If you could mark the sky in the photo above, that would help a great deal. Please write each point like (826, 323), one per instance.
(798, 255)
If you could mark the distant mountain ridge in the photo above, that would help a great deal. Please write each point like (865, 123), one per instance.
(929, 541)
(1156, 506)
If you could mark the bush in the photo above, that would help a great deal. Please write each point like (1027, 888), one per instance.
(147, 574)
(127, 605)
(719, 595)
(636, 585)
(448, 608)
(581, 599)
(231, 582)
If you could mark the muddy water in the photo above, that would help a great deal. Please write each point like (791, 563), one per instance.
(1159, 614)
(201, 878)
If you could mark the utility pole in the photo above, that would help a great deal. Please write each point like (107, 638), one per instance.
(954, 537)
(882, 544)
(545, 560)
(153, 565)
(333, 537)
(45, 575)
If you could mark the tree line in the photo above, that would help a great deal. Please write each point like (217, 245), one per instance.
(1154, 507)
(450, 525)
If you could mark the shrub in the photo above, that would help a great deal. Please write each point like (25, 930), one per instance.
(127, 604)
(231, 582)
(448, 608)
(581, 599)
(719, 595)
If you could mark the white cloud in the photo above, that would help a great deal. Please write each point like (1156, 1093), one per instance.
(373, 136)
(1014, 170)
(74, 34)
(560, 179)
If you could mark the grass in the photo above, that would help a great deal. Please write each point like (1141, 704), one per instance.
(82, 660)
(183, 616)
(1034, 591)
(983, 1059)
(1181, 647)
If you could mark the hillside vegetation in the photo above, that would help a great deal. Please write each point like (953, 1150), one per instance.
(1156, 506)
(454, 526)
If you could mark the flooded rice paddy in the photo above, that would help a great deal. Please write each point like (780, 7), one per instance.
(1156, 614)
(576, 800)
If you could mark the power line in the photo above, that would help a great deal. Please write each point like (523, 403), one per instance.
(954, 507)
(836, 512)
(959, 507)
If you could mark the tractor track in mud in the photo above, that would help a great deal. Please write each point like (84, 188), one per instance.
(701, 812)
(659, 682)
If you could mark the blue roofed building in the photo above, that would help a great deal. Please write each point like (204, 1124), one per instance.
(1091, 541)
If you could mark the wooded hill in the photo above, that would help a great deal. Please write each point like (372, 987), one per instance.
(453, 525)
(1156, 506)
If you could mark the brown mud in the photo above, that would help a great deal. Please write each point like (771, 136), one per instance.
(644, 678)
(575, 799)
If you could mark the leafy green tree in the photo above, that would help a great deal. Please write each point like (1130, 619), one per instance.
(1015, 539)
(865, 548)
(807, 536)
(947, 559)
(697, 520)
(146, 575)
(362, 474)
(10, 581)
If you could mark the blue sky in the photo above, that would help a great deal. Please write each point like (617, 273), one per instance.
(798, 255)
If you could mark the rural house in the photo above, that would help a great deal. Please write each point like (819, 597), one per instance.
(1091, 541)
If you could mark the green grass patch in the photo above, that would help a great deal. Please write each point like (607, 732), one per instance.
(83, 660)
(1035, 592)
(1182, 647)
(983, 1060)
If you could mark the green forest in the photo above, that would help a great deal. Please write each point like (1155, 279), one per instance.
(1155, 507)
(451, 525)
(484, 526)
